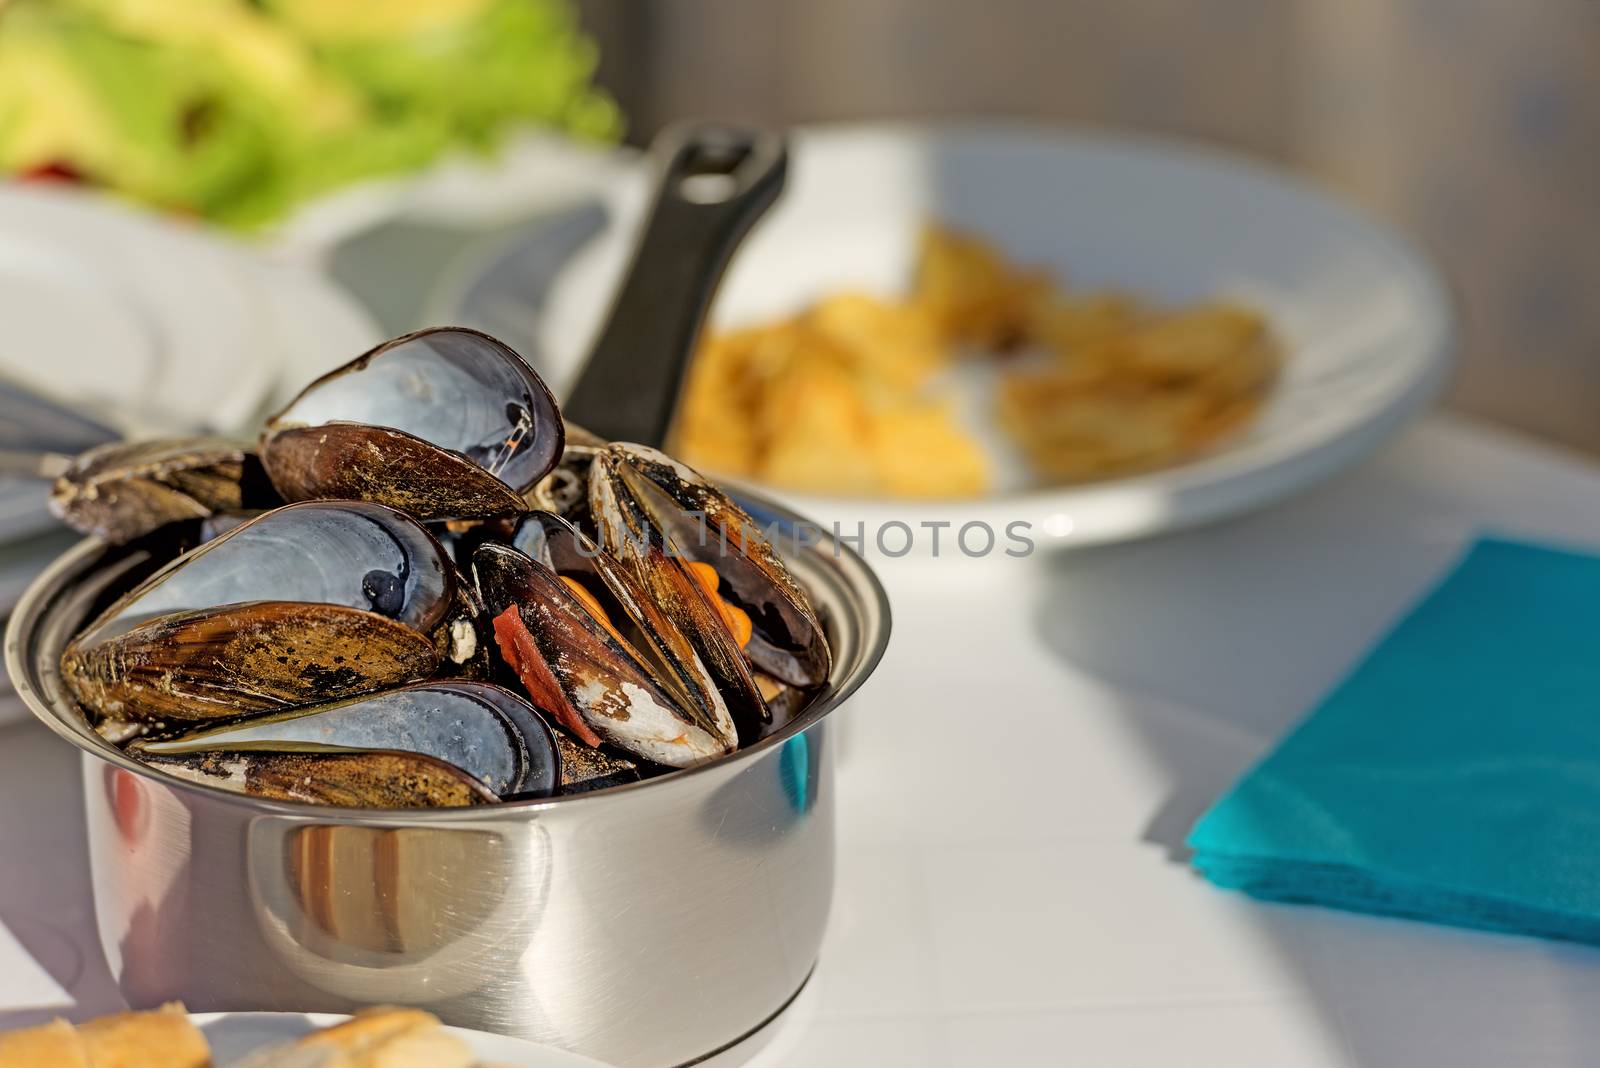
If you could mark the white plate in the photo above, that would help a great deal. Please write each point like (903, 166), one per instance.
(312, 325)
(152, 325)
(234, 1034)
(125, 312)
(1367, 323)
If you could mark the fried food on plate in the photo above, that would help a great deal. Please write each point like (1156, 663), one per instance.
(1166, 388)
(863, 396)
(973, 294)
(832, 401)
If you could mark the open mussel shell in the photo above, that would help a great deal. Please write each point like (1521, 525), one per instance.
(305, 604)
(126, 489)
(649, 549)
(243, 659)
(484, 730)
(564, 490)
(643, 500)
(619, 679)
(348, 553)
(784, 702)
(445, 423)
(585, 769)
(348, 779)
(633, 616)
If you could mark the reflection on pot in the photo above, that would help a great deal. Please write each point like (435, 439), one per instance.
(398, 914)
(141, 887)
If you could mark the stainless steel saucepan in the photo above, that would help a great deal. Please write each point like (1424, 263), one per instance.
(647, 925)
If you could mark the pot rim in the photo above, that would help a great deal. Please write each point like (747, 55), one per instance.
(860, 593)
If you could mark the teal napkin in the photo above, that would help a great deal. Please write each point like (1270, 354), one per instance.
(1454, 776)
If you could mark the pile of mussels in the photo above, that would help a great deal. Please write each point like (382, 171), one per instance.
(446, 541)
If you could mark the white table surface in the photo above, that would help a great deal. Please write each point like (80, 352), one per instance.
(1015, 785)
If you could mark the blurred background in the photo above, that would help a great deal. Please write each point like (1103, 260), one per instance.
(1472, 125)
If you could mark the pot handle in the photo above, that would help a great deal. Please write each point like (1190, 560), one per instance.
(713, 183)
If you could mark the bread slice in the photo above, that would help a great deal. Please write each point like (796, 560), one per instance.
(373, 1038)
(161, 1039)
(370, 1028)
(55, 1045)
(420, 1049)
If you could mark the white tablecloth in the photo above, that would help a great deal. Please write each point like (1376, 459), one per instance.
(1015, 785)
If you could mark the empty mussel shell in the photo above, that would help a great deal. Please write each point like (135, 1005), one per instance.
(445, 423)
(348, 553)
(366, 779)
(126, 489)
(585, 769)
(784, 702)
(565, 489)
(215, 526)
(488, 732)
(611, 670)
(305, 604)
(647, 505)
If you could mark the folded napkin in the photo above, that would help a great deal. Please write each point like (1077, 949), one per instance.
(1454, 776)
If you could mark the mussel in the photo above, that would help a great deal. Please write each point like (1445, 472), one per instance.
(703, 558)
(306, 604)
(564, 489)
(369, 779)
(631, 482)
(487, 732)
(328, 650)
(445, 424)
(124, 490)
(585, 769)
(590, 645)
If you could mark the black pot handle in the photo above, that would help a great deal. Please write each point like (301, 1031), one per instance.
(713, 183)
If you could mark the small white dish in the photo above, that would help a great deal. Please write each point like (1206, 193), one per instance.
(312, 327)
(234, 1035)
(152, 326)
(128, 314)
(1365, 319)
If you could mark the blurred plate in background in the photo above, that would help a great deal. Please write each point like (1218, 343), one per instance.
(151, 326)
(129, 315)
(1364, 319)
